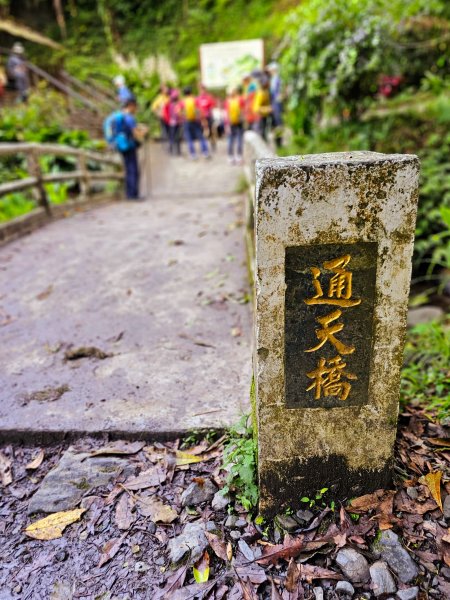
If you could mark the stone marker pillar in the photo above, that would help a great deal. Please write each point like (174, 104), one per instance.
(334, 239)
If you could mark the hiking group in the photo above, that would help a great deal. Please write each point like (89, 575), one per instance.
(199, 120)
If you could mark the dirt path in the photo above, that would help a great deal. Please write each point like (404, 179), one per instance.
(159, 287)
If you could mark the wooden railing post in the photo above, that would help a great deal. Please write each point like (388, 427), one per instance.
(84, 179)
(34, 169)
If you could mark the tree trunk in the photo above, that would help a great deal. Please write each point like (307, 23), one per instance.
(57, 5)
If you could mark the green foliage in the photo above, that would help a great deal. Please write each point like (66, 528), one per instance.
(15, 205)
(317, 498)
(426, 375)
(239, 460)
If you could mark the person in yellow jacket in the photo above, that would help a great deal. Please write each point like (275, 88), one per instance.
(158, 109)
(263, 106)
(234, 107)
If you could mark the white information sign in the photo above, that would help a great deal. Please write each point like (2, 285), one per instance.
(225, 63)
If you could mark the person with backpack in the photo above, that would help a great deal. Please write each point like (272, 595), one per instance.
(263, 106)
(123, 133)
(192, 124)
(17, 71)
(234, 107)
(122, 91)
(174, 120)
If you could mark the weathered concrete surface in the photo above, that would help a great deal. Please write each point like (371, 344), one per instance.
(157, 284)
(318, 200)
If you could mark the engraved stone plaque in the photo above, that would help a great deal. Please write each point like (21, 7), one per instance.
(329, 310)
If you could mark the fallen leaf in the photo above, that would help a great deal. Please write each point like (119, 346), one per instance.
(290, 549)
(86, 352)
(445, 442)
(36, 462)
(275, 594)
(149, 478)
(184, 458)
(433, 481)
(201, 568)
(310, 572)
(45, 294)
(403, 503)
(5, 470)
(110, 549)
(155, 509)
(218, 545)
(173, 583)
(229, 551)
(119, 448)
(124, 516)
(292, 576)
(52, 527)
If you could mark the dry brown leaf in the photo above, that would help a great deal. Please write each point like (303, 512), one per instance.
(155, 509)
(110, 549)
(229, 551)
(186, 458)
(5, 470)
(275, 594)
(218, 545)
(292, 576)
(444, 442)
(45, 294)
(151, 477)
(290, 549)
(52, 527)
(403, 503)
(36, 462)
(433, 481)
(310, 572)
(124, 516)
(118, 448)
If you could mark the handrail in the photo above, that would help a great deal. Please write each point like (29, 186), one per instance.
(37, 178)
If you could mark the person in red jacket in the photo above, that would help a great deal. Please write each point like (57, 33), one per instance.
(206, 102)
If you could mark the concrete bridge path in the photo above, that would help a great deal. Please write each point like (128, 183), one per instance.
(159, 288)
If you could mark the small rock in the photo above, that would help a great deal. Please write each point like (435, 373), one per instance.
(382, 581)
(424, 314)
(151, 527)
(220, 502)
(160, 560)
(17, 589)
(409, 594)
(76, 473)
(445, 572)
(192, 541)
(318, 593)
(83, 536)
(353, 565)
(61, 555)
(287, 523)
(246, 550)
(396, 556)
(230, 521)
(235, 535)
(241, 523)
(304, 517)
(211, 526)
(141, 567)
(345, 588)
(447, 507)
(412, 493)
(197, 493)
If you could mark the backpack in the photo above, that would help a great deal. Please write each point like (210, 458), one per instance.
(190, 109)
(115, 133)
(234, 111)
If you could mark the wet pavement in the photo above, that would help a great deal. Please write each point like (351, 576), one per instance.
(150, 297)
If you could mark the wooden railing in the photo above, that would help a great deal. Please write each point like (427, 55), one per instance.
(37, 179)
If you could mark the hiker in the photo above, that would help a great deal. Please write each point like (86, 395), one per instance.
(123, 92)
(192, 125)
(234, 107)
(263, 106)
(128, 136)
(173, 118)
(158, 109)
(276, 102)
(250, 89)
(17, 71)
(206, 103)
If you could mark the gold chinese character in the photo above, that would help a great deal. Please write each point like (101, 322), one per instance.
(326, 334)
(340, 286)
(328, 379)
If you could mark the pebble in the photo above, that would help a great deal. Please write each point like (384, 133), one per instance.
(445, 572)
(409, 594)
(61, 555)
(211, 526)
(396, 556)
(191, 542)
(17, 589)
(83, 536)
(230, 521)
(345, 588)
(382, 580)
(353, 565)
(412, 493)
(304, 517)
(318, 593)
(197, 493)
(287, 523)
(160, 560)
(241, 523)
(219, 501)
(235, 535)
(151, 527)
(447, 507)
(141, 567)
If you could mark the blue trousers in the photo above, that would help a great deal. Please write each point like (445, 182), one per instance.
(193, 131)
(131, 173)
(235, 135)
